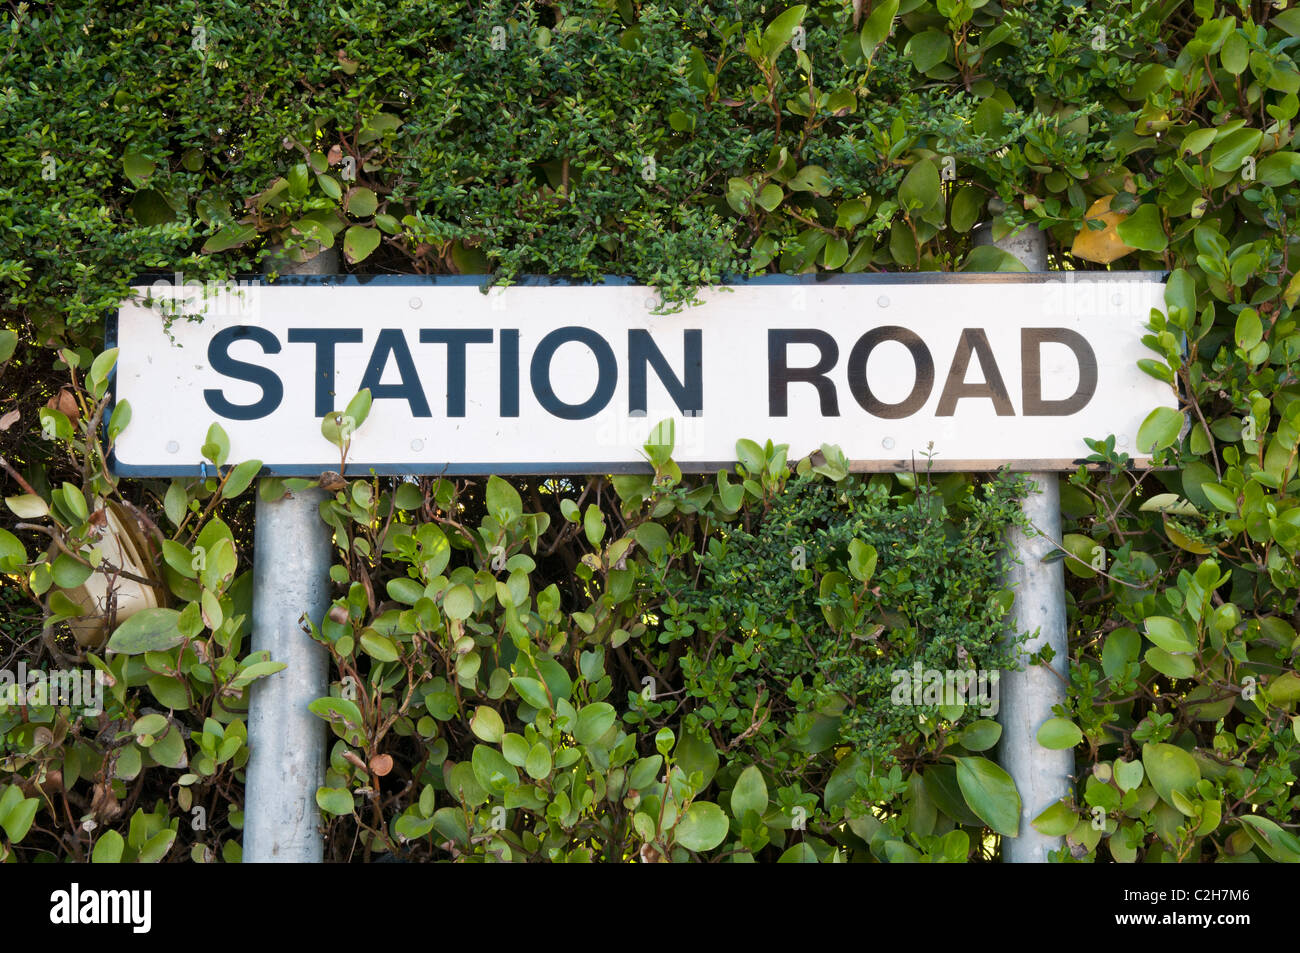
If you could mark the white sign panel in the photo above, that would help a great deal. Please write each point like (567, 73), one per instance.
(550, 377)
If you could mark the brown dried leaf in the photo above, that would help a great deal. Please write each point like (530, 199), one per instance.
(332, 481)
(65, 401)
(103, 803)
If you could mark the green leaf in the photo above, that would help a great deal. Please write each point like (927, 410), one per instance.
(1220, 497)
(1144, 229)
(1235, 53)
(487, 724)
(991, 794)
(108, 849)
(239, 478)
(1057, 821)
(651, 537)
(100, 368)
(1122, 647)
(876, 27)
(138, 167)
(156, 848)
(1198, 140)
(800, 853)
(750, 455)
(492, 771)
(593, 524)
(928, 49)
(967, 204)
(811, 178)
(216, 448)
(1279, 844)
(862, 560)
(27, 506)
(1169, 634)
(330, 186)
(17, 821)
(919, 190)
(361, 203)
(359, 241)
(1231, 149)
(1083, 550)
(118, 419)
(702, 827)
(1059, 733)
(149, 630)
(1159, 430)
(232, 236)
(987, 258)
(170, 692)
(297, 179)
(1249, 330)
(458, 603)
(1278, 169)
(358, 408)
(503, 501)
(1166, 663)
(531, 691)
(1170, 769)
(1128, 774)
(336, 801)
(696, 752)
(378, 647)
(538, 764)
(169, 750)
(344, 717)
(12, 552)
(771, 196)
(749, 794)
(593, 721)
(781, 31)
(980, 735)
(8, 342)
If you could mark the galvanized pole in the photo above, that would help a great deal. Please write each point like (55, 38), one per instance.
(1042, 776)
(292, 549)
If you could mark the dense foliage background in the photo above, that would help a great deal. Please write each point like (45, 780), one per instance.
(577, 669)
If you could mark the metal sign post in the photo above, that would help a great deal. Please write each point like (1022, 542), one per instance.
(1042, 776)
(292, 548)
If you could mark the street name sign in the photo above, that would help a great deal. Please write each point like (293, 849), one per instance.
(550, 376)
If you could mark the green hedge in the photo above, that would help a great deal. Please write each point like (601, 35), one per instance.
(487, 711)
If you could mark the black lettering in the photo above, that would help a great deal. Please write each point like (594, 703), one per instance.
(392, 342)
(955, 388)
(540, 373)
(642, 351)
(510, 372)
(220, 360)
(780, 375)
(456, 341)
(921, 359)
(325, 340)
(1031, 372)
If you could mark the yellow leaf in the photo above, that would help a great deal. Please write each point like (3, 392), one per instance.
(1183, 541)
(1102, 246)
